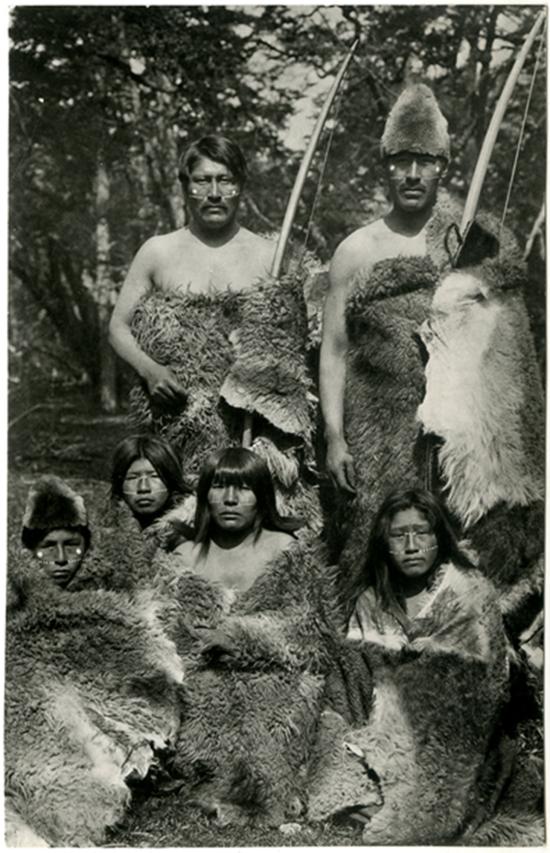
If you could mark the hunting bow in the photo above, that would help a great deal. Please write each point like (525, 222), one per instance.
(474, 193)
(292, 205)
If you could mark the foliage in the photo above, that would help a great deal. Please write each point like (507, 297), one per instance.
(105, 99)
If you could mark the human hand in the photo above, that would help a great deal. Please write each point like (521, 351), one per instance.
(164, 387)
(340, 465)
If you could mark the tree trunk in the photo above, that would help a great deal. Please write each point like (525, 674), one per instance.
(104, 293)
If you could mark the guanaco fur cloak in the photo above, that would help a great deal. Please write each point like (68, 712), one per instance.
(92, 682)
(385, 382)
(484, 402)
(422, 760)
(91, 697)
(443, 391)
(236, 352)
(253, 697)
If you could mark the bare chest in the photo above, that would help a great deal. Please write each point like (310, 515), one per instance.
(203, 269)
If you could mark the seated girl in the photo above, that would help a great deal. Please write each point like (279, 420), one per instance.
(146, 475)
(418, 771)
(238, 529)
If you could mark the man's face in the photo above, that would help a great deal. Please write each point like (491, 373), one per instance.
(212, 195)
(413, 180)
(60, 554)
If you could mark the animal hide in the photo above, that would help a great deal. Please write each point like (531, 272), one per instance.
(385, 382)
(235, 352)
(484, 401)
(249, 720)
(417, 762)
(91, 695)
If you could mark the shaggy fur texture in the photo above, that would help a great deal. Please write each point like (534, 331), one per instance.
(484, 401)
(249, 721)
(90, 696)
(385, 381)
(419, 756)
(483, 393)
(416, 123)
(51, 503)
(236, 352)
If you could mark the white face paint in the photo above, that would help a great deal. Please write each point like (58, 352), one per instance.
(144, 489)
(60, 553)
(412, 542)
(233, 508)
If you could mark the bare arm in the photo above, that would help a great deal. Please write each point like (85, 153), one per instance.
(332, 374)
(161, 382)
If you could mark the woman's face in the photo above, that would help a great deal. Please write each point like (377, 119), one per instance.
(60, 553)
(412, 543)
(143, 488)
(233, 508)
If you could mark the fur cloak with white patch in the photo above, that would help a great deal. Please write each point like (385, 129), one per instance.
(385, 381)
(484, 402)
(422, 761)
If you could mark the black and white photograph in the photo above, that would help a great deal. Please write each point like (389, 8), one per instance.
(276, 348)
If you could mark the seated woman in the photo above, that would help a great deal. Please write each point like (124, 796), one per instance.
(146, 475)
(244, 603)
(238, 529)
(419, 770)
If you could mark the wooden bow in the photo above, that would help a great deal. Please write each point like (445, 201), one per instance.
(292, 205)
(474, 193)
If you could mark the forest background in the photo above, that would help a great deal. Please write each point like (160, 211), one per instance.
(103, 100)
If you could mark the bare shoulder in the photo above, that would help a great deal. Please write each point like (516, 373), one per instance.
(187, 552)
(276, 541)
(263, 247)
(355, 252)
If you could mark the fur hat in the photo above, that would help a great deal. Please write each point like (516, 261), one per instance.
(415, 123)
(51, 504)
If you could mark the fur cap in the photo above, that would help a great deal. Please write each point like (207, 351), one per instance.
(51, 504)
(415, 123)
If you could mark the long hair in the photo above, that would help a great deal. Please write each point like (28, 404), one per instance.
(237, 466)
(159, 453)
(377, 569)
(220, 150)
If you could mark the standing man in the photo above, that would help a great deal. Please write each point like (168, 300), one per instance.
(208, 255)
(381, 282)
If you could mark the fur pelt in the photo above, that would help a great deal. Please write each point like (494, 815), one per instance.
(236, 352)
(269, 375)
(385, 381)
(484, 401)
(483, 392)
(250, 717)
(417, 761)
(51, 503)
(415, 123)
(190, 334)
(91, 695)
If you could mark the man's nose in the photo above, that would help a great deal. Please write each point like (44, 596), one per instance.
(230, 495)
(143, 484)
(214, 189)
(60, 555)
(413, 171)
